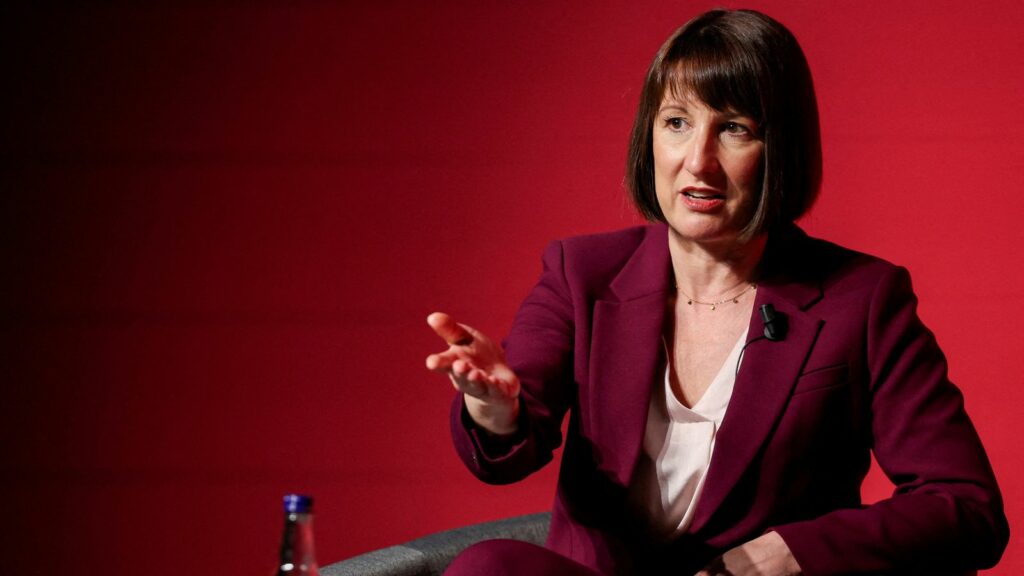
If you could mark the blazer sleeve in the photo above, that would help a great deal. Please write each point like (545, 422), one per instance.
(946, 513)
(539, 349)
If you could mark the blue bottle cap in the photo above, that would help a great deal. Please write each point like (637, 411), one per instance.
(298, 503)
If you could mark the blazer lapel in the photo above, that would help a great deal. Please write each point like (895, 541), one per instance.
(768, 372)
(625, 354)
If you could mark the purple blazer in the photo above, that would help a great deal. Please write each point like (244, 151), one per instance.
(856, 371)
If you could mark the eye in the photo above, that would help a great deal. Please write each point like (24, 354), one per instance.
(736, 129)
(675, 123)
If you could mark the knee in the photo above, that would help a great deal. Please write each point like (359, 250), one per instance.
(495, 557)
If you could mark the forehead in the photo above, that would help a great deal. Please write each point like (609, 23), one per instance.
(719, 84)
(687, 100)
(691, 102)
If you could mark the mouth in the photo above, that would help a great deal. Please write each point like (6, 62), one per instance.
(703, 200)
(703, 194)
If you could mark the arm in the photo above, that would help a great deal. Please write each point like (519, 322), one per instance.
(946, 512)
(538, 352)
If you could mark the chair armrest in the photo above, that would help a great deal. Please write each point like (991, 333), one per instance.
(430, 555)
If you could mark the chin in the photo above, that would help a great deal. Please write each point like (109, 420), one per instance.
(703, 233)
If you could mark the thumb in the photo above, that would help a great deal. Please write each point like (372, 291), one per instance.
(448, 329)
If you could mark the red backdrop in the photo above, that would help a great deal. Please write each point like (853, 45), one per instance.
(224, 224)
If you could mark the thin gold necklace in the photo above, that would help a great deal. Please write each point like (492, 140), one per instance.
(735, 299)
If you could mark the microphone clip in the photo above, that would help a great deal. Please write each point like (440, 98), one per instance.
(775, 324)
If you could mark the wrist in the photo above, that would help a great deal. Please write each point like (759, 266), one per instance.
(495, 418)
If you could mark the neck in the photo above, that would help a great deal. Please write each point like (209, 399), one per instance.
(707, 271)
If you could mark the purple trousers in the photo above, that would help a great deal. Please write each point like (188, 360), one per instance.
(514, 558)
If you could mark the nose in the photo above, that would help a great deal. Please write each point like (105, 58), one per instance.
(702, 156)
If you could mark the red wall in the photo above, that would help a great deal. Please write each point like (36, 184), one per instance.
(223, 225)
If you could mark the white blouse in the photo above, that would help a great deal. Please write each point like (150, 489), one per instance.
(678, 444)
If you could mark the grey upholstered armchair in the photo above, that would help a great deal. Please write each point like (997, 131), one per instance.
(430, 555)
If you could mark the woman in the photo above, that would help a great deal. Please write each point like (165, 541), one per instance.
(726, 376)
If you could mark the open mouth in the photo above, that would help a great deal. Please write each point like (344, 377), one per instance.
(701, 195)
(703, 200)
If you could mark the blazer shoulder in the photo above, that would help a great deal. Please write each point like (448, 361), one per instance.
(605, 245)
(832, 263)
(843, 271)
(595, 260)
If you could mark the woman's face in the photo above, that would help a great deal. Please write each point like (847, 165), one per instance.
(707, 169)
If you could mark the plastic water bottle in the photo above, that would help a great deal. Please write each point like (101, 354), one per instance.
(297, 555)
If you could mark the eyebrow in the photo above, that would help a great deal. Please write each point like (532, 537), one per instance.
(673, 107)
(726, 114)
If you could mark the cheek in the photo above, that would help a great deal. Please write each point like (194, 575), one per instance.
(660, 159)
(663, 172)
(661, 194)
(667, 161)
(747, 171)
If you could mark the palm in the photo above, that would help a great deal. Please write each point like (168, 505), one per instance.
(477, 368)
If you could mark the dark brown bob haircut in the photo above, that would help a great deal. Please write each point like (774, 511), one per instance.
(747, 62)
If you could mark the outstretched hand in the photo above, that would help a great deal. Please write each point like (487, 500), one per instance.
(477, 368)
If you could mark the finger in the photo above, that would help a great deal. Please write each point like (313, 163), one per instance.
(462, 383)
(443, 360)
(440, 362)
(447, 328)
(508, 389)
(478, 376)
(461, 368)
